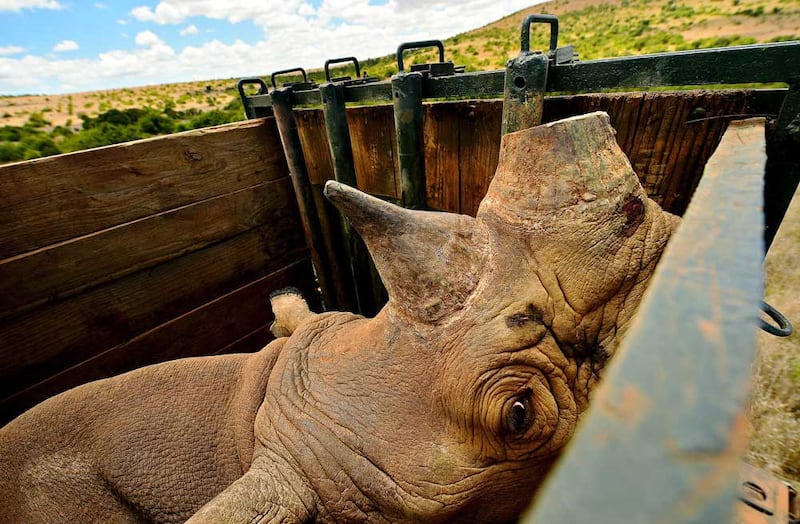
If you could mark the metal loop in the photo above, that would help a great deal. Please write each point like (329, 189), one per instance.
(262, 86)
(784, 327)
(525, 33)
(418, 45)
(284, 71)
(341, 61)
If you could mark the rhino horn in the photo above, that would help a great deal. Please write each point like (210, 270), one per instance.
(569, 171)
(429, 262)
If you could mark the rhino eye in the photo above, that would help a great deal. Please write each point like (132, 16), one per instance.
(520, 415)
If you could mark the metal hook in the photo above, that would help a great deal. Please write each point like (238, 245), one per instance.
(783, 328)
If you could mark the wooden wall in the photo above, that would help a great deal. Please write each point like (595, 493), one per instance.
(124, 256)
(129, 255)
(462, 142)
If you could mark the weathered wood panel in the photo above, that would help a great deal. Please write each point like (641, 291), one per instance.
(479, 149)
(216, 324)
(374, 145)
(314, 140)
(79, 328)
(62, 270)
(134, 254)
(58, 198)
(442, 139)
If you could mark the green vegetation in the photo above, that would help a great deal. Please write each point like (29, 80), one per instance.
(34, 140)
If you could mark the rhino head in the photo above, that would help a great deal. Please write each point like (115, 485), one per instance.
(454, 401)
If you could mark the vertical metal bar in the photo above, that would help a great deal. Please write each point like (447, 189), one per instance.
(663, 437)
(407, 95)
(783, 165)
(523, 95)
(365, 289)
(282, 106)
(333, 107)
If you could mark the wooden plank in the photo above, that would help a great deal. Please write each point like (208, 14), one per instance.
(63, 270)
(337, 256)
(54, 199)
(479, 129)
(314, 140)
(202, 331)
(441, 155)
(372, 135)
(59, 335)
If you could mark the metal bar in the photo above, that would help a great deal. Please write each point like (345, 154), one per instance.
(664, 434)
(407, 92)
(783, 168)
(525, 82)
(344, 171)
(483, 84)
(762, 63)
(287, 128)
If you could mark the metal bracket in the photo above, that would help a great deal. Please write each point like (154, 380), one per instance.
(766, 499)
(249, 110)
(346, 80)
(432, 69)
(305, 85)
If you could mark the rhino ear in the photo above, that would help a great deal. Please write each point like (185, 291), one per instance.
(429, 262)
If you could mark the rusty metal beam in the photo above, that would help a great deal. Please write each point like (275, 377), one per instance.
(665, 432)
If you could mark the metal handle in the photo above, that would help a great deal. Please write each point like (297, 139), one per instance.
(418, 45)
(262, 86)
(783, 328)
(525, 33)
(284, 71)
(341, 61)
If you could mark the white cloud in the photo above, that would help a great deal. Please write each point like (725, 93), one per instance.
(100, 5)
(18, 5)
(66, 45)
(122, 21)
(11, 50)
(339, 28)
(189, 30)
(148, 38)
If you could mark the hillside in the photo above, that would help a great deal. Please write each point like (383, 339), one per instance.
(597, 29)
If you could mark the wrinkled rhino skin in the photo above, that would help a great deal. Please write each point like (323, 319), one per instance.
(449, 406)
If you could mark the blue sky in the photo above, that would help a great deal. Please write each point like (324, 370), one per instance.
(61, 46)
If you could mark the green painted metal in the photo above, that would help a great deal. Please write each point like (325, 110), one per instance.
(760, 63)
(366, 290)
(525, 33)
(783, 169)
(523, 100)
(408, 120)
(287, 128)
(407, 46)
(333, 107)
(663, 436)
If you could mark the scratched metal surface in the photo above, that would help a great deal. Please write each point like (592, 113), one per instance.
(663, 438)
